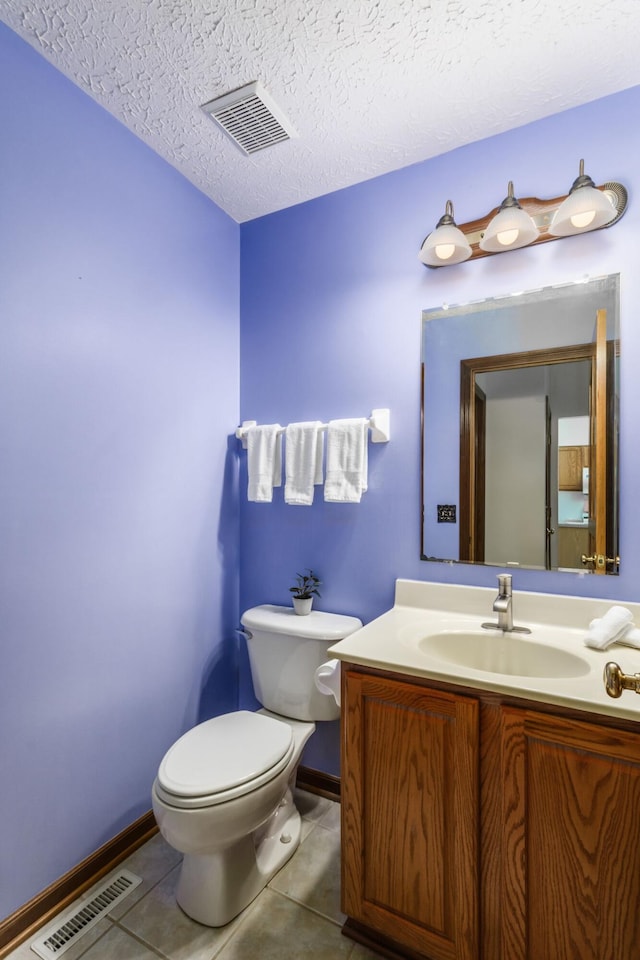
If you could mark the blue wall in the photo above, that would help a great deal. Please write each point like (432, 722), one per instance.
(332, 295)
(121, 350)
(119, 369)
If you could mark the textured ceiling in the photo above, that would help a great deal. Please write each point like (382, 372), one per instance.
(369, 85)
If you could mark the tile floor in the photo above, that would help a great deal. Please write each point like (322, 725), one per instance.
(296, 916)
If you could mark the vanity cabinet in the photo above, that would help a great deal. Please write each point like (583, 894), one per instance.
(571, 460)
(571, 839)
(477, 826)
(410, 815)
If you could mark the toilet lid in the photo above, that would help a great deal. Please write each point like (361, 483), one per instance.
(224, 753)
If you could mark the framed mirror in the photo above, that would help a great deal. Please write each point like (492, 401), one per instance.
(520, 403)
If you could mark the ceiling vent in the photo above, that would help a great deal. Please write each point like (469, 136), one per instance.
(250, 118)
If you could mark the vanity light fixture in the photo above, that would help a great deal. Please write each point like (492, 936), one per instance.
(586, 208)
(525, 222)
(447, 244)
(512, 227)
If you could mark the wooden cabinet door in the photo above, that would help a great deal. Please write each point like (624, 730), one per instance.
(410, 815)
(573, 542)
(572, 823)
(570, 463)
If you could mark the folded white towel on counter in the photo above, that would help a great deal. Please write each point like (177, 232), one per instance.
(264, 461)
(631, 638)
(347, 460)
(303, 461)
(610, 628)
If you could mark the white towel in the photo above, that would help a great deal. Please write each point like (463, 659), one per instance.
(347, 460)
(303, 461)
(610, 628)
(264, 461)
(630, 638)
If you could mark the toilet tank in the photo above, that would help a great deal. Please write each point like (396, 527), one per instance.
(284, 652)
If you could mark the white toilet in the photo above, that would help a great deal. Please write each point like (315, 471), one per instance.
(222, 796)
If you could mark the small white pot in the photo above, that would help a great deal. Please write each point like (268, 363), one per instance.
(302, 607)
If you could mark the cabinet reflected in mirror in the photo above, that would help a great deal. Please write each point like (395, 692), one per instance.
(520, 429)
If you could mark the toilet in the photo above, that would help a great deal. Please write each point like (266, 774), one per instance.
(223, 793)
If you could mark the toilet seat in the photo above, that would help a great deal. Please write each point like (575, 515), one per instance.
(224, 758)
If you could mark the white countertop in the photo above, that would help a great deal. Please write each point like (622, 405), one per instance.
(393, 642)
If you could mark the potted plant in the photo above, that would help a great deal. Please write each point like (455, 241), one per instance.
(305, 589)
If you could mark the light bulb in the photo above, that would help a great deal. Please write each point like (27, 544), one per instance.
(444, 251)
(582, 220)
(585, 208)
(446, 244)
(507, 237)
(512, 227)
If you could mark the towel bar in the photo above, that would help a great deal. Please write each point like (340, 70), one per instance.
(379, 425)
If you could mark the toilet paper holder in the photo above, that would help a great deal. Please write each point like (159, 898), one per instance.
(327, 679)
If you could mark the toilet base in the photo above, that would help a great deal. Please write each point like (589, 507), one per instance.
(214, 888)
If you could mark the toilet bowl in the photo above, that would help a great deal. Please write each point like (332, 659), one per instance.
(223, 793)
(234, 837)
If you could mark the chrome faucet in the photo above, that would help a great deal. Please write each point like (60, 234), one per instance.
(503, 606)
(503, 603)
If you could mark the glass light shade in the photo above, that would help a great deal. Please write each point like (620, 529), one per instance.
(586, 208)
(512, 227)
(446, 245)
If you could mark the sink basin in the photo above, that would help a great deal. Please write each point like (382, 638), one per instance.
(506, 654)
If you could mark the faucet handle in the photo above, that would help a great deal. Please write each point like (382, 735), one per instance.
(504, 584)
(615, 681)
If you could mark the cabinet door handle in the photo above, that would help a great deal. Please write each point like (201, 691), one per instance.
(615, 681)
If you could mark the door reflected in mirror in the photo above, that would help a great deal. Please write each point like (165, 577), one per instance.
(520, 429)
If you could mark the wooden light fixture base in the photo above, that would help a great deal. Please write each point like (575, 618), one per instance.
(541, 212)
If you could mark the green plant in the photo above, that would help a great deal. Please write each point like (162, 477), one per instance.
(306, 586)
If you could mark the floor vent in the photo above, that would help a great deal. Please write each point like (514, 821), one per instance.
(250, 118)
(76, 921)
